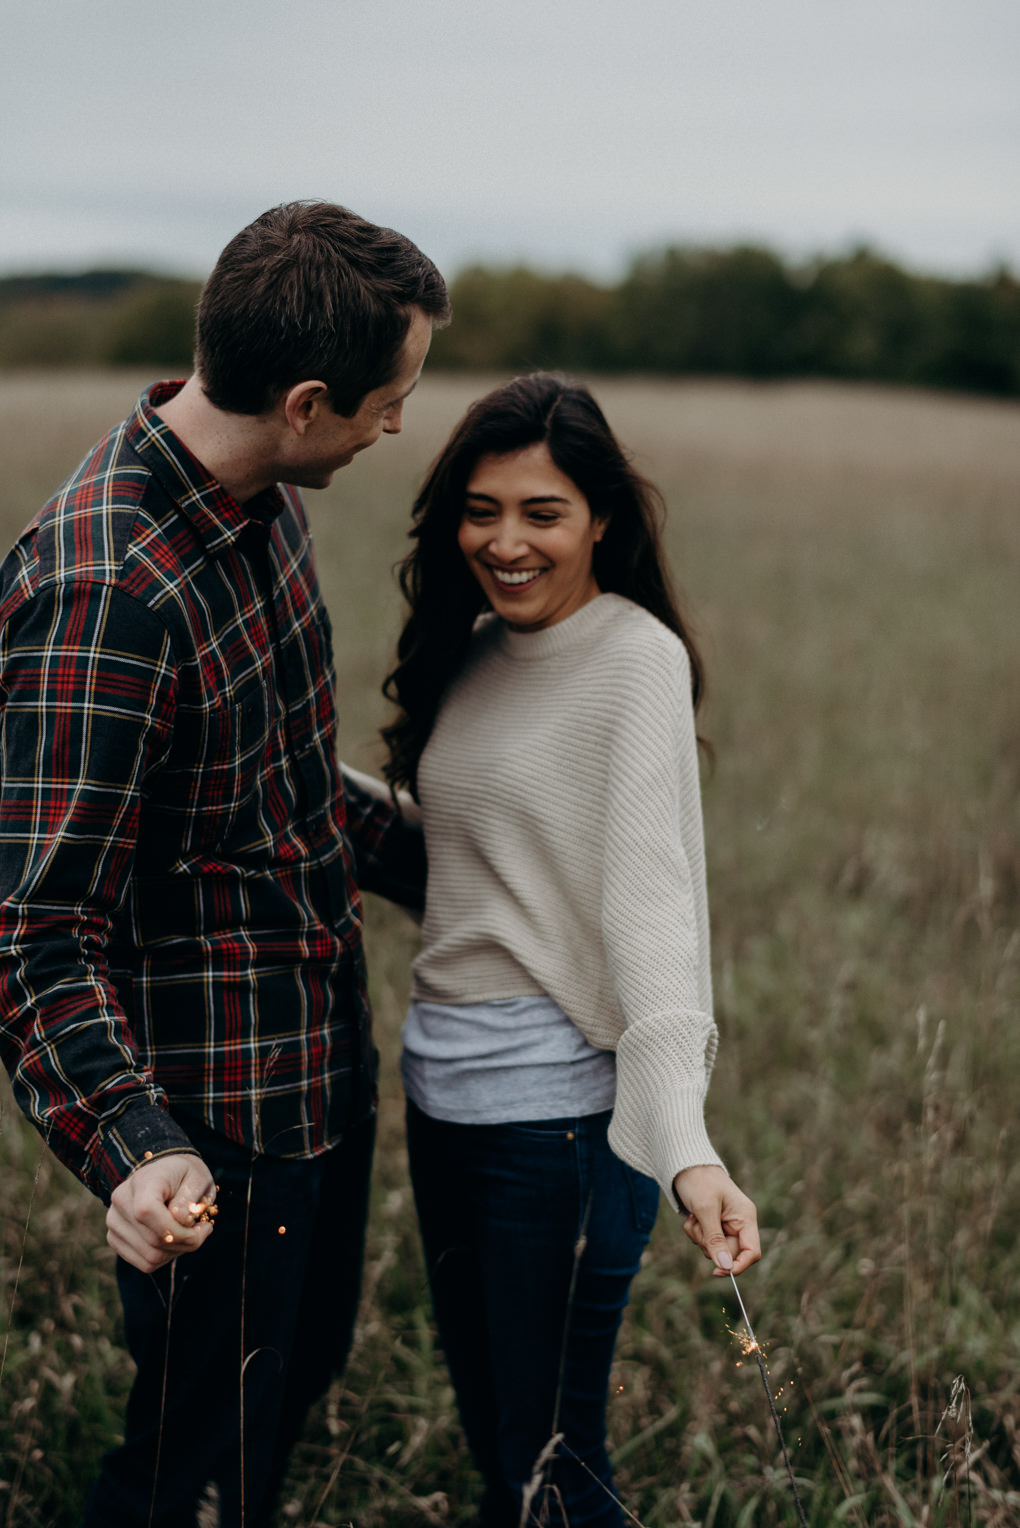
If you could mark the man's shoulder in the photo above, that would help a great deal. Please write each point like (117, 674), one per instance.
(91, 526)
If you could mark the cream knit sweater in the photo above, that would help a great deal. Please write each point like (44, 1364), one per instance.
(562, 815)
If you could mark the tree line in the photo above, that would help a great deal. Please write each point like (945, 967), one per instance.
(742, 311)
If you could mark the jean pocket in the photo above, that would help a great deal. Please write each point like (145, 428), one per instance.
(644, 1199)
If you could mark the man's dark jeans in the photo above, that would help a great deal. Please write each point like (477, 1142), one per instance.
(234, 1342)
(502, 1208)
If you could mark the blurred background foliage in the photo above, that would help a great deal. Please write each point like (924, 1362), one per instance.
(678, 311)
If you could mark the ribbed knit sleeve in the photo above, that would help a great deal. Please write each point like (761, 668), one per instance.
(655, 914)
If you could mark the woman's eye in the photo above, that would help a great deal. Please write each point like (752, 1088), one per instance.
(544, 517)
(477, 514)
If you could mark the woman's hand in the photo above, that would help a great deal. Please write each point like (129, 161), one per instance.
(722, 1221)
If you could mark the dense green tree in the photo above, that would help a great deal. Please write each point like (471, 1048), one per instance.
(978, 339)
(678, 310)
(865, 317)
(707, 311)
(156, 326)
(521, 320)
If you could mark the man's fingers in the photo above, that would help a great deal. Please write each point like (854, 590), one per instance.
(134, 1243)
(145, 1250)
(162, 1210)
(194, 1200)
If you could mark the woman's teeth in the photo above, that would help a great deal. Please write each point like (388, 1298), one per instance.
(527, 577)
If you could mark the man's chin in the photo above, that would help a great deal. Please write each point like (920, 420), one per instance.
(320, 479)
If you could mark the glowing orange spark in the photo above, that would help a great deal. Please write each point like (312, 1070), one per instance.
(203, 1210)
(748, 1344)
(281, 1231)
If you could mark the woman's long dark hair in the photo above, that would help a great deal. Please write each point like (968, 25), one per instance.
(443, 594)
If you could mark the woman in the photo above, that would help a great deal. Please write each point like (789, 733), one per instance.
(560, 1036)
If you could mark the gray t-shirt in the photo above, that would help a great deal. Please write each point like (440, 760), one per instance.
(490, 1063)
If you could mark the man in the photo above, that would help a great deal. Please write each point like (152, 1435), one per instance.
(182, 993)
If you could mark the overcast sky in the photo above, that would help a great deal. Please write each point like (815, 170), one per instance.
(570, 133)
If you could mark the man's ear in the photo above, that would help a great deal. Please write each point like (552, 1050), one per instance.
(600, 527)
(303, 402)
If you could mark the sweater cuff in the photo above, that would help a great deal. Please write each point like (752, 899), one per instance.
(668, 1138)
(663, 1063)
(140, 1133)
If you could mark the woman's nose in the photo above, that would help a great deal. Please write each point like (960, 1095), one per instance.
(508, 541)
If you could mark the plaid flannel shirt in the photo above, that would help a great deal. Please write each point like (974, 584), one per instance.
(179, 919)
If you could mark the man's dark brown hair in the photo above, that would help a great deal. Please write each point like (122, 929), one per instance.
(310, 290)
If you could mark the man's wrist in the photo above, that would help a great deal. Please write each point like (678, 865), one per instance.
(141, 1133)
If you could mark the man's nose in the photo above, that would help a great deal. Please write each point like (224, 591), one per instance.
(394, 421)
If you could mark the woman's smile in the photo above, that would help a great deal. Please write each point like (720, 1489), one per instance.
(511, 579)
(528, 535)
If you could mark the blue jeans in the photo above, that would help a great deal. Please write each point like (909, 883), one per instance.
(502, 1208)
(268, 1302)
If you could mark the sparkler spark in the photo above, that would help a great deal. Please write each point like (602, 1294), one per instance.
(750, 1344)
(203, 1211)
(747, 1343)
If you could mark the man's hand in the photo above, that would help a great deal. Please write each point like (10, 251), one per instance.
(722, 1220)
(153, 1214)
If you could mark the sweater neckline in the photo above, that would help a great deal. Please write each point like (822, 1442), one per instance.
(562, 636)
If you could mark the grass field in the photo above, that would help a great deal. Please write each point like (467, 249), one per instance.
(853, 557)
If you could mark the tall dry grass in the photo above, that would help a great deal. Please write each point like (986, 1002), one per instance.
(852, 556)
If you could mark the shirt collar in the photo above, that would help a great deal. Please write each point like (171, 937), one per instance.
(218, 519)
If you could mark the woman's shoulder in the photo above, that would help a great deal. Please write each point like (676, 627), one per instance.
(640, 645)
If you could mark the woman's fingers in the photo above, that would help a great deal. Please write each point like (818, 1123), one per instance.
(722, 1220)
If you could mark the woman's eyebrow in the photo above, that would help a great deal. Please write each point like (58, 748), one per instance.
(537, 498)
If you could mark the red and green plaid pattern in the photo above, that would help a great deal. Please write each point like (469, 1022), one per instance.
(178, 913)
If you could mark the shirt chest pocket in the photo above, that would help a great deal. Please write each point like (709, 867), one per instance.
(212, 772)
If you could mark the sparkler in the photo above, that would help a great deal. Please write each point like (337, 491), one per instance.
(756, 1350)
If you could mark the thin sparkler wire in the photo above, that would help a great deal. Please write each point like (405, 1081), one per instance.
(772, 1405)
